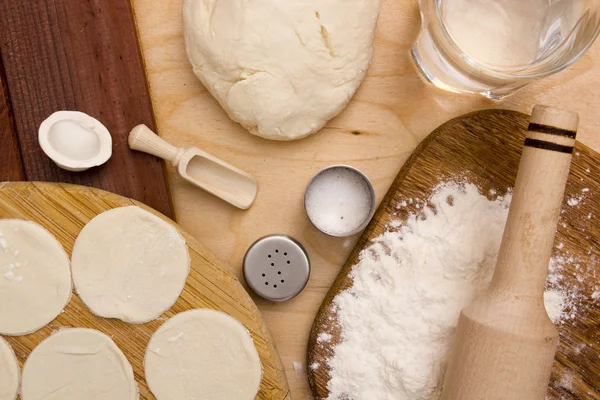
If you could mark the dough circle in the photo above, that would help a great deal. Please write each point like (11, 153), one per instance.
(129, 264)
(9, 372)
(205, 355)
(35, 277)
(76, 364)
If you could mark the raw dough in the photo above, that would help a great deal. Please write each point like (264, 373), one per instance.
(77, 364)
(202, 355)
(129, 264)
(280, 68)
(9, 372)
(35, 277)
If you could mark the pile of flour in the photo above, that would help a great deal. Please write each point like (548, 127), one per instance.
(399, 317)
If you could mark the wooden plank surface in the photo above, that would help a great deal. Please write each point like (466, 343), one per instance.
(64, 210)
(77, 55)
(392, 112)
(485, 147)
(11, 168)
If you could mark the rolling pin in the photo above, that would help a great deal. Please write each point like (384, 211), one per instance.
(505, 342)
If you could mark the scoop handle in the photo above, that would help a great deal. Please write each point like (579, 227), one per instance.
(142, 138)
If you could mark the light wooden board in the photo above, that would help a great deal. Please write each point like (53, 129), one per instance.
(485, 148)
(392, 112)
(64, 210)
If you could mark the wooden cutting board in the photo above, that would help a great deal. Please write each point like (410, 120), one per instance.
(485, 147)
(65, 209)
(392, 111)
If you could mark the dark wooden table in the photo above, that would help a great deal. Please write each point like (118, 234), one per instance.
(75, 55)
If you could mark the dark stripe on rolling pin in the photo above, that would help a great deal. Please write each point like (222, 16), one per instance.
(550, 130)
(542, 144)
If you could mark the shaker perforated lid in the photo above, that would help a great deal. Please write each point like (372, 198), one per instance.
(276, 267)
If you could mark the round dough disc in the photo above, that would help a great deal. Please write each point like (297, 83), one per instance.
(79, 364)
(129, 264)
(9, 372)
(35, 277)
(202, 354)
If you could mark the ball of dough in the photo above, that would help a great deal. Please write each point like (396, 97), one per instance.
(9, 372)
(129, 264)
(77, 364)
(35, 277)
(280, 68)
(205, 355)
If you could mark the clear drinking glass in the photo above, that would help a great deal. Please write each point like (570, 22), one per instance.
(494, 47)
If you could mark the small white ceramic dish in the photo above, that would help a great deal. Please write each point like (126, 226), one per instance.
(74, 140)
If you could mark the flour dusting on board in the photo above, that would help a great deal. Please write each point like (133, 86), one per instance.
(3, 243)
(8, 272)
(397, 320)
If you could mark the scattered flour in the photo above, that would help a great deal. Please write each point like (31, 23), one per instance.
(3, 244)
(554, 300)
(324, 337)
(10, 273)
(580, 348)
(398, 318)
(298, 367)
(575, 201)
(566, 380)
(395, 224)
(175, 338)
(9, 270)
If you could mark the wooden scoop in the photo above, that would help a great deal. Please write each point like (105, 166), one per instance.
(505, 342)
(199, 168)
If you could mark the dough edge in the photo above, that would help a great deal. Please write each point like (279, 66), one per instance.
(112, 346)
(199, 60)
(142, 211)
(6, 348)
(52, 238)
(205, 313)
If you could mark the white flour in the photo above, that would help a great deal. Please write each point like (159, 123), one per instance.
(398, 318)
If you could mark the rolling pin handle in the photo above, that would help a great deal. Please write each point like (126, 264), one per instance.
(142, 138)
(505, 342)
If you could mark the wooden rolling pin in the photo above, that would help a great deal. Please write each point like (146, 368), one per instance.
(505, 342)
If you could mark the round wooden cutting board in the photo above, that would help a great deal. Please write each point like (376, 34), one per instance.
(64, 210)
(485, 148)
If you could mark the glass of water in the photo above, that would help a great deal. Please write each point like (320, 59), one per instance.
(494, 47)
